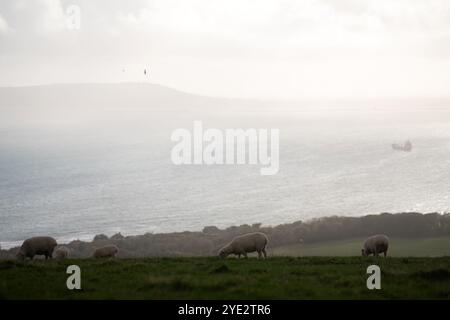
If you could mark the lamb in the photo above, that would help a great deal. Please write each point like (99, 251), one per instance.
(241, 245)
(61, 253)
(375, 245)
(106, 252)
(37, 246)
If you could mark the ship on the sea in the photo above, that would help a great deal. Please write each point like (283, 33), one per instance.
(407, 146)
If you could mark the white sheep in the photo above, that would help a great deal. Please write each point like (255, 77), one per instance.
(37, 246)
(375, 245)
(61, 253)
(106, 252)
(241, 245)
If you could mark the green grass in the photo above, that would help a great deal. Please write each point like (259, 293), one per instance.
(212, 278)
(422, 247)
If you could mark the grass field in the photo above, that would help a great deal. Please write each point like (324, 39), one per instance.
(421, 247)
(212, 278)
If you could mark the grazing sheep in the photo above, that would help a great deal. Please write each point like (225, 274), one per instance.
(106, 252)
(375, 245)
(37, 246)
(61, 253)
(241, 245)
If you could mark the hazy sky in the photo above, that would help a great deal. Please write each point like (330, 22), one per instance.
(234, 48)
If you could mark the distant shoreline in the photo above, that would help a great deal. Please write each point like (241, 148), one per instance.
(207, 241)
(90, 237)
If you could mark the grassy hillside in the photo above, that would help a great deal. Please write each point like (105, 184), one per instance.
(212, 278)
(422, 247)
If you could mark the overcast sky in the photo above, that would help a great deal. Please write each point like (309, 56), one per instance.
(234, 48)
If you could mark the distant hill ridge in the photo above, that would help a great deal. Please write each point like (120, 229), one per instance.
(143, 94)
(105, 95)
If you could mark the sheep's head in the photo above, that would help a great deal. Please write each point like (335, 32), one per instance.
(223, 253)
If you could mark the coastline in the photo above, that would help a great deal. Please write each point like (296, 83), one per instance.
(206, 242)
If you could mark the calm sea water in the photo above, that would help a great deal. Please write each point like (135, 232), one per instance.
(72, 174)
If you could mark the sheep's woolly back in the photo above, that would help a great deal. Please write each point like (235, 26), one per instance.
(376, 244)
(37, 245)
(249, 242)
(61, 253)
(106, 251)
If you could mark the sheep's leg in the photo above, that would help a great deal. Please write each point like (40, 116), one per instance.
(264, 252)
(239, 255)
(259, 254)
(385, 253)
(245, 255)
